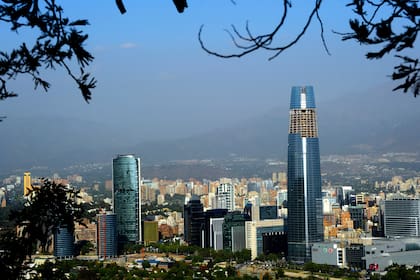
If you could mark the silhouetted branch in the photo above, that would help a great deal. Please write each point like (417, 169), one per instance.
(57, 43)
(392, 26)
(248, 42)
(121, 6)
(180, 5)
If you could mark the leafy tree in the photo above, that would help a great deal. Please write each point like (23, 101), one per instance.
(86, 247)
(15, 249)
(401, 272)
(59, 40)
(389, 25)
(266, 276)
(146, 264)
(49, 271)
(48, 207)
(279, 273)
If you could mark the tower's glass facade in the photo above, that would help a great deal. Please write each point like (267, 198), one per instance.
(63, 243)
(304, 197)
(126, 198)
(402, 217)
(106, 234)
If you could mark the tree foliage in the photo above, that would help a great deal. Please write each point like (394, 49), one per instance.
(389, 25)
(58, 41)
(48, 207)
(14, 251)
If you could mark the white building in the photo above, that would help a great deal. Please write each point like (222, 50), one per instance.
(257, 231)
(225, 197)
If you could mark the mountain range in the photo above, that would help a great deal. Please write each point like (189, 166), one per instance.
(370, 123)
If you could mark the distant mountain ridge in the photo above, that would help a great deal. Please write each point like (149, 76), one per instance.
(351, 124)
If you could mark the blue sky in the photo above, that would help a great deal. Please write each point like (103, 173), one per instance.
(155, 82)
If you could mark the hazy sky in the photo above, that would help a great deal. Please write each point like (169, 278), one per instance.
(155, 81)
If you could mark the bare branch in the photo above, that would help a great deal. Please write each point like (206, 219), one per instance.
(249, 43)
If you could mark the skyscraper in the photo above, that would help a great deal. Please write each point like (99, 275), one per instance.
(225, 197)
(27, 184)
(106, 235)
(304, 197)
(63, 243)
(402, 217)
(194, 222)
(127, 198)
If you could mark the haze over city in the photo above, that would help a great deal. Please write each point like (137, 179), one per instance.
(302, 162)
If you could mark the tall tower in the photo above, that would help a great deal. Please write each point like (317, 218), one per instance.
(106, 235)
(193, 222)
(127, 198)
(304, 197)
(225, 197)
(27, 186)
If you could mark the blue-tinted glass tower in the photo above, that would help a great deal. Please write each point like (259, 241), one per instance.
(304, 197)
(126, 197)
(63, 243)
(106, 235)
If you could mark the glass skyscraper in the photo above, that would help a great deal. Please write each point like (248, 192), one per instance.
(106, 235)
(126, 197)
(304, 197)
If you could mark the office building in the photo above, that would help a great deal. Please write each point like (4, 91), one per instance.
(127, 198)
(402, 217)
(268, 212)
(63, 243)
(234, 231)
(330, 253)
(194, 222)
(216, 233)
(27, 184)
(213, 230)
(151, 232)
(225, 197)
(304, 197)
(106, 235)
(265, 237)
(281, 198)
(357, 214)
(343, 194)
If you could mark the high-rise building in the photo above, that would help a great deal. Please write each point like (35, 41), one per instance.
(27, 186)
(225, 196)
(343, 194)
(304, 197)
(106, 235)
(402, 217)
(357, 214)
(127, 198)
(265, 237)
(63, 243)
(151, 232)
(213, 232)
(194, 222)
(234, 231)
